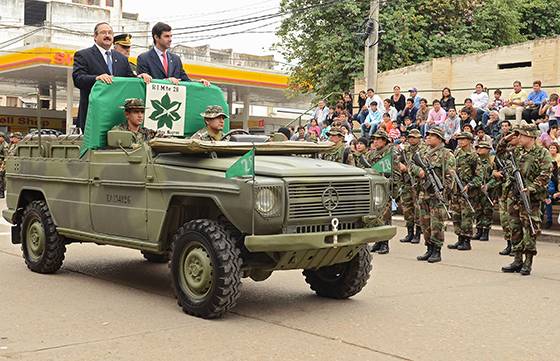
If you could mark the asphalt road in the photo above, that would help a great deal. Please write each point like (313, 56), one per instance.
(108, 303)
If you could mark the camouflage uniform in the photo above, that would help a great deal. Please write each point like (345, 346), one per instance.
(535, 167)
(340, 151)
(13, 146)
(360, 160)
(482, 206)
(468, 169)
(143, 134)
(409, 193)
(212, 112)
(432, 212)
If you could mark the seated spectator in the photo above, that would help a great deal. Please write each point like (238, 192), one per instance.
(300, 135)
(492, 126)
(447, 101)
(413, 92)
(514, 103)
(552, 188)
(409, 111)
(505, 128)
(495, 105)
(436, 116)
(481, 136)
(325, 130)
(422, 113)
(371, 96)
(372, 121)
(479, 101)
(471, 109)
(343, 119)
(321, 111)
(387, 122)
(314, 128)
(394, 133)
(402, 141)
(549, 137)
(398, 100)
(407, 125)
(362, 96)
(468, 128)
(331, 115)
(348, 103)
(533, 102)
(555, 153)
(451, 126)
(388, 108)
(465, 116)
(547, 113)
(348, 135)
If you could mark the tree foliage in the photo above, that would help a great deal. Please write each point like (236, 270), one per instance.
(326, 45)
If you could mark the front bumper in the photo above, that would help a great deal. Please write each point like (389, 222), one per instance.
(319, 240)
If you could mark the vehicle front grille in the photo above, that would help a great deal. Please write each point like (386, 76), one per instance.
(310, 200)
(313, 228)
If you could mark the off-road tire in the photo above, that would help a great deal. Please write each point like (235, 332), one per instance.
(208, 238)
(48, 258)
(155, 257)
(341, 280)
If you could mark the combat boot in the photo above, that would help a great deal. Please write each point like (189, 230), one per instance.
(456, 244)
(435, 256)
(383, 248)
(428, 253)
(409, 235)
(485, 234)
(417, 235)
(478, 234)
(526, 268)
(506, 251)
(465, 245)
(516, 265)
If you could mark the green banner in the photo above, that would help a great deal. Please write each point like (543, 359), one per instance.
(243, 167)
(106, 100)
(384, 165)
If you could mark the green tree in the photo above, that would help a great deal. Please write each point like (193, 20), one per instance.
(538, 19)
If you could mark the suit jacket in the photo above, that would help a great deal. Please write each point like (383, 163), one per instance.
(88, 64)
(150, 63)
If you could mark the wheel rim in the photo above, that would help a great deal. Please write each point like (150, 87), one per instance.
(35, 240)
(196, 271)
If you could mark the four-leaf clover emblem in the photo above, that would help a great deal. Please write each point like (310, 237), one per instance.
(165, 112)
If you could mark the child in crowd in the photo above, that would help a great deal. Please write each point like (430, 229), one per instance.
(394, 133)
(495, 105)
(470, 109)
(314, 128)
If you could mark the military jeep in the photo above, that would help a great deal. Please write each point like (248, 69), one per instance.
(175, 207)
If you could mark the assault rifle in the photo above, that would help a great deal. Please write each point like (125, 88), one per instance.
(433, 180)
(520, 186)
(407, 161)
(461, 187)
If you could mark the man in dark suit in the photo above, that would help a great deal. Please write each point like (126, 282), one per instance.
(159, 62)
(98, 63)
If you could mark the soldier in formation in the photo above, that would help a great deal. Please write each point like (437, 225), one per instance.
(482, 201)
(340, 153)
(467, 182)
(214, 118)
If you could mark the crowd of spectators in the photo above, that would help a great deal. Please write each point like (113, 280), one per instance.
(486, 117)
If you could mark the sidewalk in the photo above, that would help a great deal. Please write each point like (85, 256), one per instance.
(547, 235)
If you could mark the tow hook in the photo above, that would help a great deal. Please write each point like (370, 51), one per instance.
(334, 224)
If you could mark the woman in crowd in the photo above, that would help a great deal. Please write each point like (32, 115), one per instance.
(447, 101)
(398, 100)
(348, 103)
(552, 189)
(549, 137)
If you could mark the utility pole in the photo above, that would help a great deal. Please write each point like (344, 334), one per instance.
(371, 43)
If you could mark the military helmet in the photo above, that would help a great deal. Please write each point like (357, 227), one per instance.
(414, 133)
(437, 132)
(335, 131)
(213, 111)
(381, 134)
(133, 103)
(123, 39)
(484, 144)
(465, 135)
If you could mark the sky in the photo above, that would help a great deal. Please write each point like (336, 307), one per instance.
(181, 13)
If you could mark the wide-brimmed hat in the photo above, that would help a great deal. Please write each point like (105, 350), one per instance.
(529, 130)
(17, 135)
(465, 135)
(335, 131)
(414, 133)
(214, 111)
(133, 103)
(381, 134)
(484, 144)
(437, 132)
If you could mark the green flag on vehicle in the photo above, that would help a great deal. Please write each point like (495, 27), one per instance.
(384, 165)
(243, 167)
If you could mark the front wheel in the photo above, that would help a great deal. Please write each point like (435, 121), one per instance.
(342, 280)
(43, 248)
(205, 269)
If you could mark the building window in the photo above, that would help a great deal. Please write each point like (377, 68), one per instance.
(520, 64)
(35, 13)
(109, 3)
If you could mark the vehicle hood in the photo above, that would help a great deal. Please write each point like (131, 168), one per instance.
(266, 165)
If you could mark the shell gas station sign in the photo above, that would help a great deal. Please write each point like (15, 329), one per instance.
(27, 122)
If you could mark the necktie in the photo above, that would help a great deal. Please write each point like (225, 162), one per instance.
(165, 65)
(109, 62)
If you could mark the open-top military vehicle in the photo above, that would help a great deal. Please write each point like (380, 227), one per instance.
(178, 207)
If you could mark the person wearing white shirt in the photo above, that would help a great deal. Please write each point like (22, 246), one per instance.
(480, 101)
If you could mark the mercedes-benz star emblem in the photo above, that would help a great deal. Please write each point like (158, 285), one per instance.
(330, 199)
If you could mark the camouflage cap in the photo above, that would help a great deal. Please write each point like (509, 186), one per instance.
(529, 130)
(464, 135)
(515, 128)
(381, 134)
(335, 131)
(123, 39)
(484, 144)
(17, 135)
(213, 111)
(414, 133)
(133, 103)
(437, 132)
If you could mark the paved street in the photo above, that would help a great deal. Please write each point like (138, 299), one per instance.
(109, 304)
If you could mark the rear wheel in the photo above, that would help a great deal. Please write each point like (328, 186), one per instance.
(43, 248)
(205, 269)
(341, 280)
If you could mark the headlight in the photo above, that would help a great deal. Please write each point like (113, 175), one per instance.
(267, 201)
(379, 195)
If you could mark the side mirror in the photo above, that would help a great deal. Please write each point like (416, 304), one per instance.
(119, 139)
